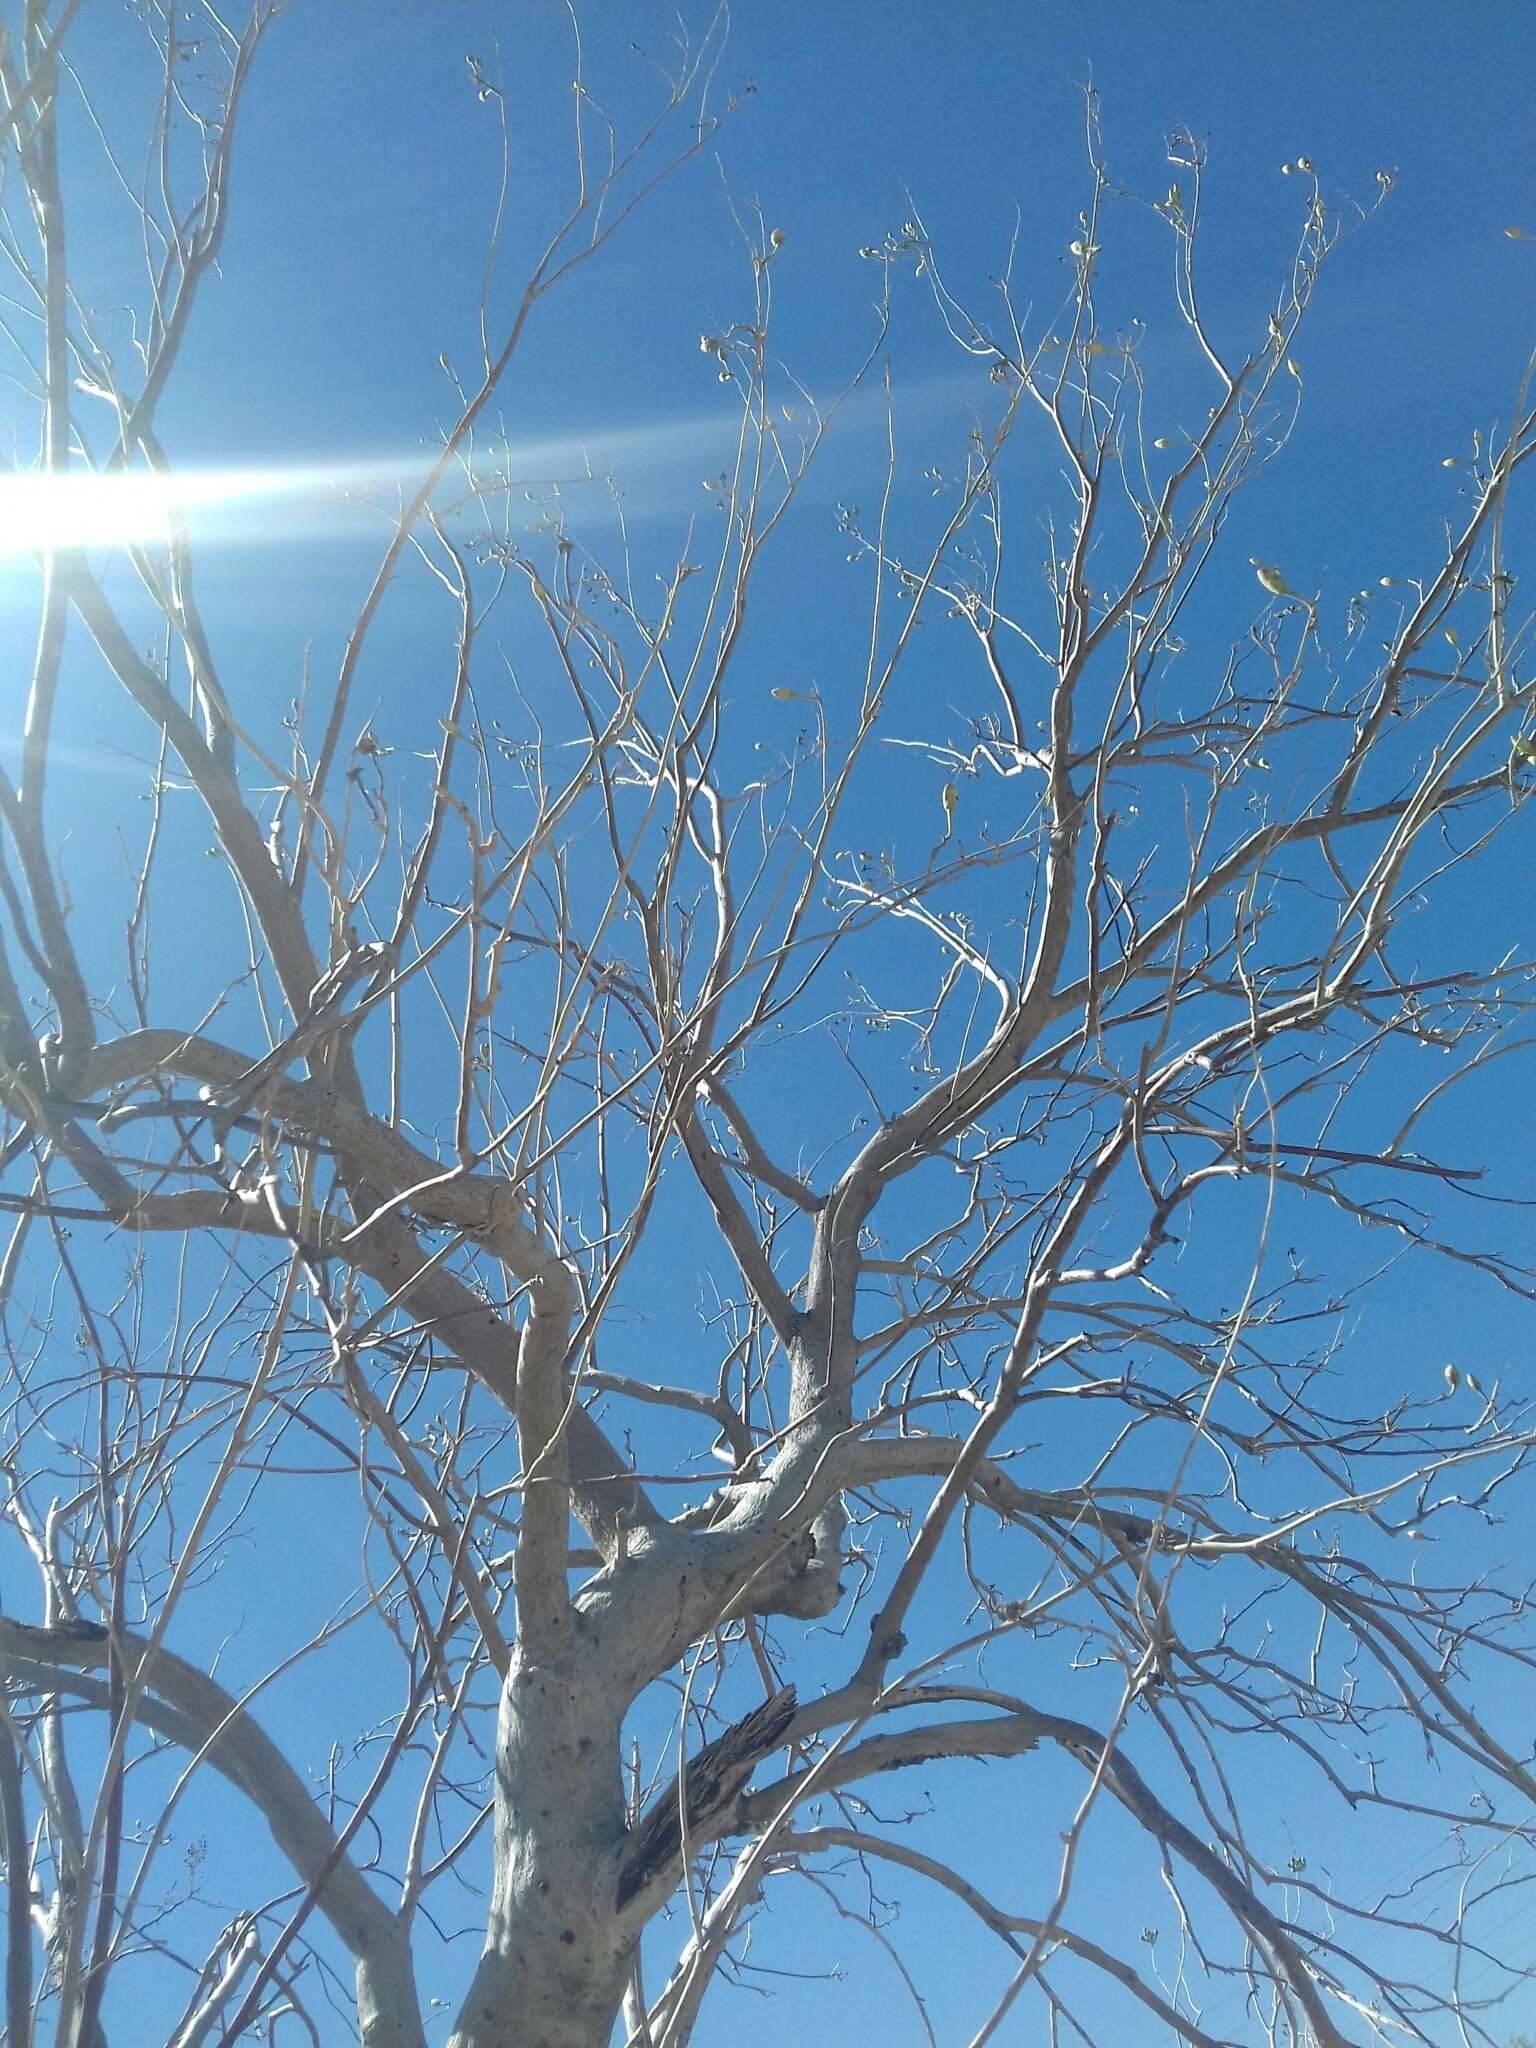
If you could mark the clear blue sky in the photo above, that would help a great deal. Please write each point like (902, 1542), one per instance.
(365, 180)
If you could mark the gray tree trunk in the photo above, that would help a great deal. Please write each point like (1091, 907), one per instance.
(388, 2007)
(557, 1950)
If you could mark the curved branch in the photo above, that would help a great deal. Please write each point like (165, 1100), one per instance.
(1012, 1735)
(1006, 1925)
(186, 1706)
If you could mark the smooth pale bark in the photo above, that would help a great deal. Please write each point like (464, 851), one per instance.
(388, 2006)
(557, 1953)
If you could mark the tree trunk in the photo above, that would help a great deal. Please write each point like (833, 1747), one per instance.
(388, 2008)
(557, 1952)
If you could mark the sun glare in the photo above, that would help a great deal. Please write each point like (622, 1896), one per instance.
(310, 500)
(79, 510)
(84, 511)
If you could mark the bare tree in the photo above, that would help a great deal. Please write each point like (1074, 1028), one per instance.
(1034, 1151)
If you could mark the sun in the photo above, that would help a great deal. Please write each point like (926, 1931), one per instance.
(132, 508)
(304, 500)
(39, 512)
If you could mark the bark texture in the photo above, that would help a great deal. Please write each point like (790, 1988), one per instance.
(557, 1950)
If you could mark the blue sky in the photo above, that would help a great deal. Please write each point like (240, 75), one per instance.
(365, 182)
